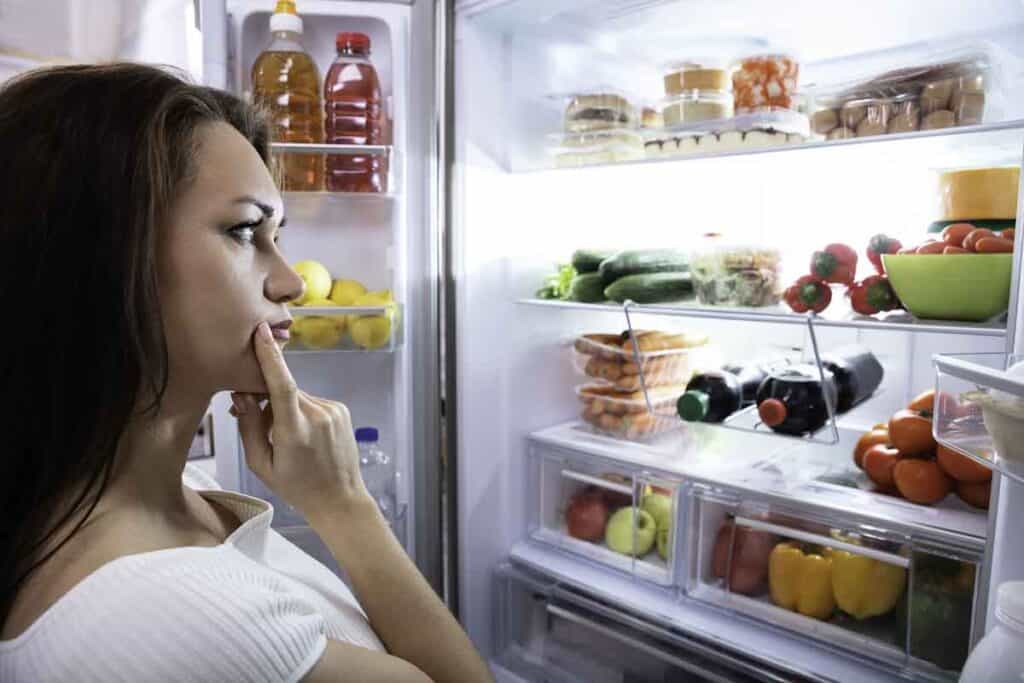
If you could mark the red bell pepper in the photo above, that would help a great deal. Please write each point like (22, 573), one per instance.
(872, 295)
(838, 263)
(878, 245)
(808, 293)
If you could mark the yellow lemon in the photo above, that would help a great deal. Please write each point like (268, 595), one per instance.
(379, 298)
(345, 292)
(338, 320)
(317, 332)
(370, 331)
(317, 279)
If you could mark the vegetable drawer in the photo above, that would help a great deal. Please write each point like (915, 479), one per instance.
(626, 520)
(886, 594)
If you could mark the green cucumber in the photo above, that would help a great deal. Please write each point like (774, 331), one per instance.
(641, 261)
(651, 288)
(587, 288)
(588, 260)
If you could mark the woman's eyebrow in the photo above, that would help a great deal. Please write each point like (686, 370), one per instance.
(267, 210)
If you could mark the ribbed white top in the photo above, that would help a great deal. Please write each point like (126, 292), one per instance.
(255, 608)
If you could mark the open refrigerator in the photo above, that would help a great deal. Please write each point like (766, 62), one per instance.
(474, 396)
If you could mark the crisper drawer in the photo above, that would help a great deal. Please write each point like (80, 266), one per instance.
(624, 519)
(896, 597)
(544, 632)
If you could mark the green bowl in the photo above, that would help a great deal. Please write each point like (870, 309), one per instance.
(965, 287)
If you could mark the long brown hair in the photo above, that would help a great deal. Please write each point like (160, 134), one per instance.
(93, 157)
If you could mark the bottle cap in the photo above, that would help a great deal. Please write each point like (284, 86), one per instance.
(1010, 604)
(693, 406)
(285, 17)
(772, 411)
(367, 434)
(358, 42)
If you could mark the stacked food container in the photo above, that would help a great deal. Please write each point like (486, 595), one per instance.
(599, 127)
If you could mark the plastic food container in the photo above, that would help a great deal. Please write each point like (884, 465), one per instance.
(599, 147)
(625, 415)
(586, 112)
(609, 360)
(978, 193)
(765, 83)
(682, 77)
(696, 106)
(946, 92)
(728, 274)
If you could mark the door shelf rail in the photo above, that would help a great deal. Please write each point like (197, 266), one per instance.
(311, 148)
(352, 329)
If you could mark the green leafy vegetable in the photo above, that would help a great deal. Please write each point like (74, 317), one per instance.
(557, 286)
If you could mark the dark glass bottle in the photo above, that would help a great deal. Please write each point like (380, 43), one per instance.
(710, 397)
(792, 400)
(857, 374)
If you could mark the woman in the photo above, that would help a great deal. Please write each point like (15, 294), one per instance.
(139, 224)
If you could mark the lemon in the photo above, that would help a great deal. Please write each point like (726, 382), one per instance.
(345, 292)
(370, 331)
(317, 332)
(317, 279)
(338, 320)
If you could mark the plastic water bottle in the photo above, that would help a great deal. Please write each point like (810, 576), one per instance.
(999, 656)
(378, 471)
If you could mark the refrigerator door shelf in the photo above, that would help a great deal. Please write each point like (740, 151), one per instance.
(877, 592)
(547, 633)
(979, 411)
(326, 329)
(392, 165)
(612, 516)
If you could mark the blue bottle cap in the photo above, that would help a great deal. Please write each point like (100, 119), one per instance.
(367, 434)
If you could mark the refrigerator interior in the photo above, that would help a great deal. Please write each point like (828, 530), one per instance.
(381, 240)
(516, 217)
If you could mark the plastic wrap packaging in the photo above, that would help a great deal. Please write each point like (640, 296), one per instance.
(949, 90)
(727, 274)
(625, 416)
(765, 83)
(612, 362)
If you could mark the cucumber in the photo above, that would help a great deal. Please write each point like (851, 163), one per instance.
(588, 260)
(651, 288)
(587, 288)
(642, 261)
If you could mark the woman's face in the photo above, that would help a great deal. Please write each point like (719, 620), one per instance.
(220, 270)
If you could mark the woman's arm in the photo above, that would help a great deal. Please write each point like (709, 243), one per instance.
(403, 609)
(311, 461)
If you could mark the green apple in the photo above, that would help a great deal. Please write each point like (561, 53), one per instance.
(317, 279)
(619, 533)
(663, 541)
(659, 506)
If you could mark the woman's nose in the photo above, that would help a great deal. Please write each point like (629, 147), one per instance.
(284, 284)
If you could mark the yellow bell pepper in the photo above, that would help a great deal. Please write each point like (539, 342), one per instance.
(865, 587)
(799, 582)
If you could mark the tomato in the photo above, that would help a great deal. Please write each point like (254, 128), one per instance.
(1008, 234)
(977, 495)
(866, 441)
(960, 467)
(907, 250)
(993, 245)
(921, 481)
(950, 249)
(955, 233)
(924, 401)
(879, 462)
(974, 236)
(911, 432)
(931, 248)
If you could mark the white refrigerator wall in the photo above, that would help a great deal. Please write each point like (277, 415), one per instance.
(514, 361)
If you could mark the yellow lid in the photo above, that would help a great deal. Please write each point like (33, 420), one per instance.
(285, 7)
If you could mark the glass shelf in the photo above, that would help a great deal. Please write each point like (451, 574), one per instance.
(979, 409)
(352, 329)
(895, 321)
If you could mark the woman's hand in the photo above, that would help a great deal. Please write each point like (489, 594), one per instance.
(301, 446)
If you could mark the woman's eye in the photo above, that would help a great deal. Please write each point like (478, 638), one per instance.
(243, 233)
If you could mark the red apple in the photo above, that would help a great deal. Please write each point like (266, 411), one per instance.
(587, 516)
(750, 552)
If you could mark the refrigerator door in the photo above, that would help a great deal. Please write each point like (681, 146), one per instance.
(386, 241)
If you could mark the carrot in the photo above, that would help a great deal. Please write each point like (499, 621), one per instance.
(955, 233)
(950, 249)
(975, 235)
(1008, 234)
(993, 245)
(931, 248)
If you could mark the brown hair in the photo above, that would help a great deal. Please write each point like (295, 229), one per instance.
(93, 158)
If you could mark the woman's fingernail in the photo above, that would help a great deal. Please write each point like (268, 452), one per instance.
(264, 332)
(239, 405)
